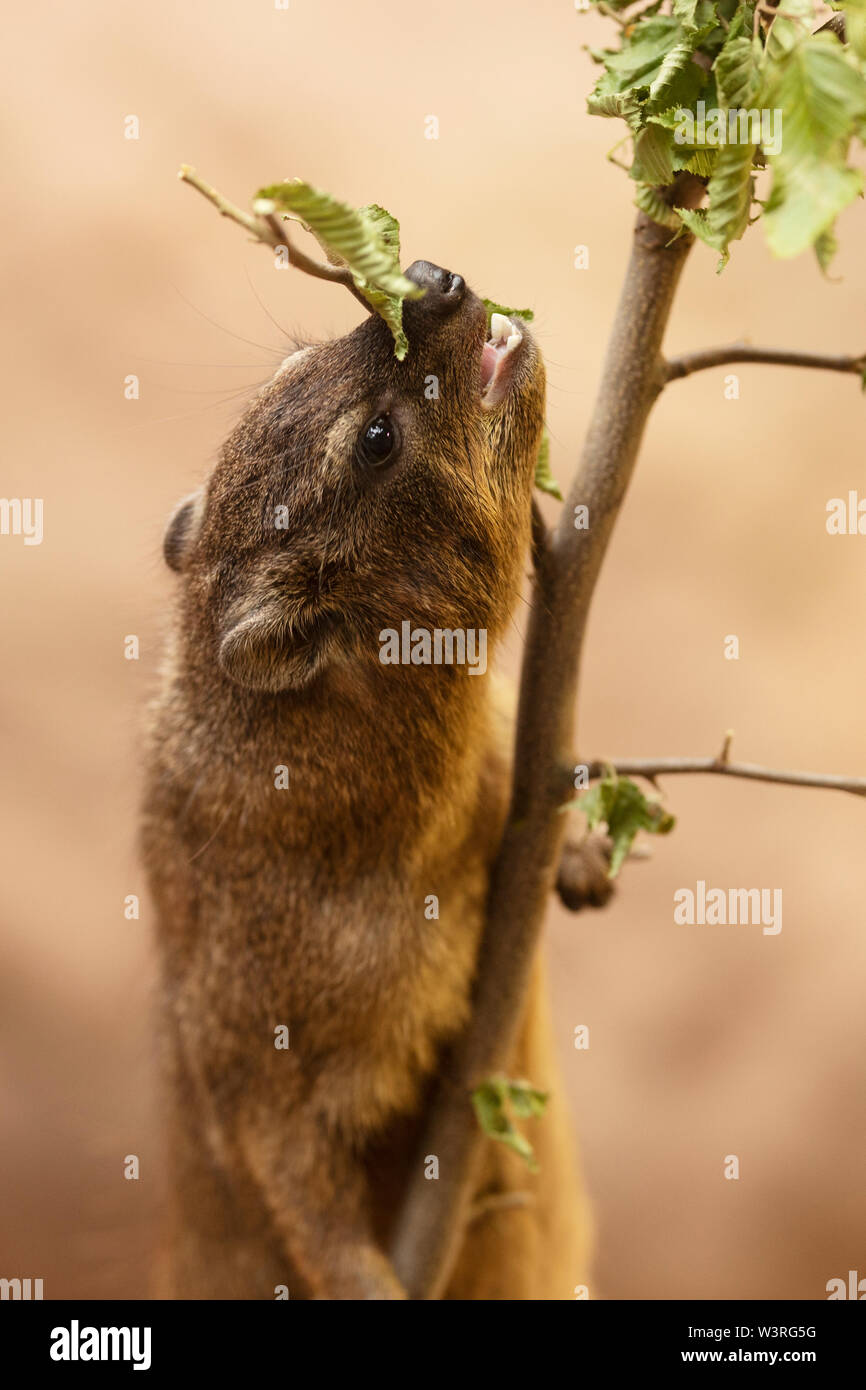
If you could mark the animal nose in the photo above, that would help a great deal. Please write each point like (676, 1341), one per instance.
(445, 290)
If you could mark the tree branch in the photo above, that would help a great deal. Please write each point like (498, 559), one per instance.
(540, 536)
(272, 231)
(651, 768)
(430, 1227)
(691, 362)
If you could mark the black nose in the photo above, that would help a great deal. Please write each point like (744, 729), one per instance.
(445, 290)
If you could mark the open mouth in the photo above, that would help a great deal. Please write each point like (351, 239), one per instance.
(498, 358)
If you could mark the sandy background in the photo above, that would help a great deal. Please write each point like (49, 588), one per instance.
(704, 1041)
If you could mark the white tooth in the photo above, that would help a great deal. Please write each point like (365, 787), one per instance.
(500, 327)
(513, 340)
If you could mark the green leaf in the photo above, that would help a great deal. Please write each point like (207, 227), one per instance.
(655, 207)
(619, 803)
(685, 12)
(738, 72)
(622, 104)
(679, 79)
(496, 1100)
(544, 479)
(639, 61)
(792, 24)
(383, 225)
(697, 160)
(730, 192)
(653, 156)
(819, 89)
(817, 85)
(366, 240)
(855, 25)
(493, 308)
(804, 206)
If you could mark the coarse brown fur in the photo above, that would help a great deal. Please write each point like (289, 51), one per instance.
(304, 905)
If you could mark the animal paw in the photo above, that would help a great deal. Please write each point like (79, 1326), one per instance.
(582, 880)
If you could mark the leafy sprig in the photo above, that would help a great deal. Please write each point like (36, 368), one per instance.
(498, 1101)
(365, 240)
(619, 804)
(725, 89)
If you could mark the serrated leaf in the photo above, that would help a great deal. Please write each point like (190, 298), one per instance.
(493, 308)
(644, 49)
(729, 194)
(676, 61)
(804, 205)
(820, 90)
(738, 72)
(739, 18)
(818, 84)
(366, 240)
(655, 207)
(685, 12)
(386, 227)
(697, 160)
(619, 803)
(496, 1100)
(388, 305)
(653, 151)
(544, 479)
(622, 104)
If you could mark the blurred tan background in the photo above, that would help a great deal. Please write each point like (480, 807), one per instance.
(704, 1041)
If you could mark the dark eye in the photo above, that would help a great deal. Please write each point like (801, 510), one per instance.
(377, 441)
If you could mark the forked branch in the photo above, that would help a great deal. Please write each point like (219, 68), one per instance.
(270, 229)
(652, 768)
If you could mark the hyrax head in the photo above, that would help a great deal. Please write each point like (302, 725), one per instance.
(359, 492)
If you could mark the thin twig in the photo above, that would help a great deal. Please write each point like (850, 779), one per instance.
(651, 768)
(271, 230)
(611, 14)
(677, 367)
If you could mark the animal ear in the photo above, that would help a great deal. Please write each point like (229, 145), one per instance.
(249, 653)
(262, 651)
(182, 530)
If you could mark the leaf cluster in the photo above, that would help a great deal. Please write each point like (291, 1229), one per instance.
(726, 88)
(619, 804)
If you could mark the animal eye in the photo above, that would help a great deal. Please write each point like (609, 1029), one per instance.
(377, 441)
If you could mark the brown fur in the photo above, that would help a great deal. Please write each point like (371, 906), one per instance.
(305, 906)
